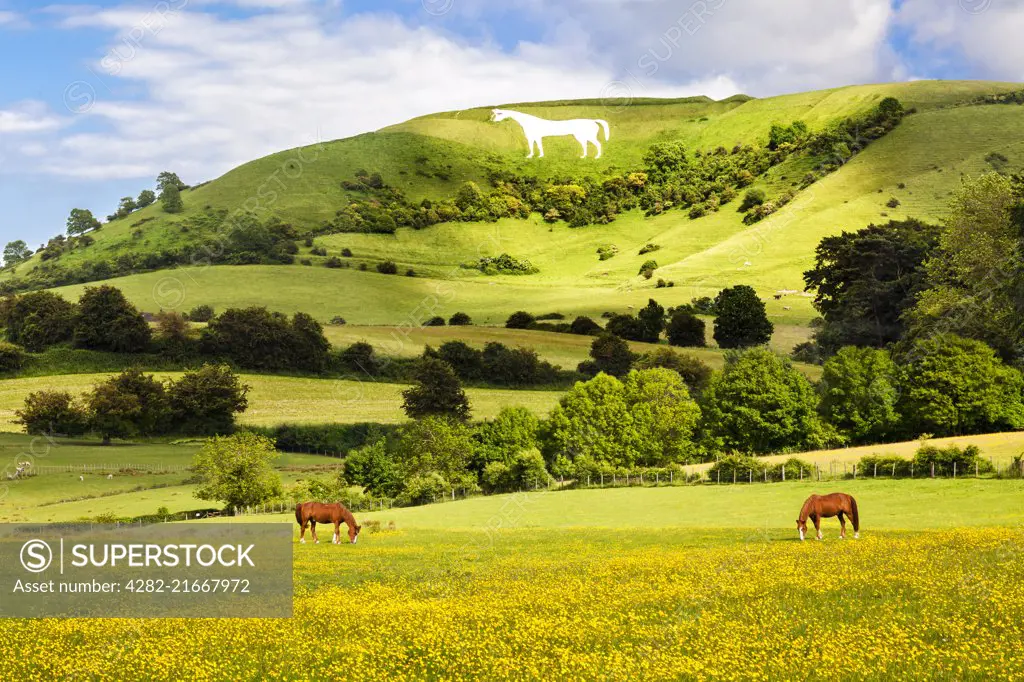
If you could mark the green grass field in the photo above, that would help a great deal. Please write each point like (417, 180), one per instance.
(279, 399)
(564, 350)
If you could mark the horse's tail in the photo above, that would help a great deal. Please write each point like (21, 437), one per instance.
(854, 516)
(298, 513)
(607, 131)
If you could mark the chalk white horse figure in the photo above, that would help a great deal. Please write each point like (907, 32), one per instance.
(536, 129)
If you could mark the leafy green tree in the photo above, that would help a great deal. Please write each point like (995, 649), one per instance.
(201, 313)
(204, 402)
(80, 221)
(126, 206)
(375, 468)
(526, 470)
(437, 392)
(237, 470)
(40, 319)
(648, 420)
(694, 372)
(146, 198)
(168, 179)
(459, 319)
(362, 358)
(53, 412)
(515, 366)
(685, 328)
(436, 444)
(259, 339)
(468, 362)
(15, 252)
(310, 347)
(652, 321)
(954, 386)
(610, 355)
(859, 391)
(664, 416)
(974, 277)
(106, 320)
(170, 199)
(514, 429)
(865, 281)
(761, 404)
(128, 404)
(741, 319)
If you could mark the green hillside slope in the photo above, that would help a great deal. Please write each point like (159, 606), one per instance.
(919, 163)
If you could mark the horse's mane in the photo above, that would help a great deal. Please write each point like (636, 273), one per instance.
(805, 510)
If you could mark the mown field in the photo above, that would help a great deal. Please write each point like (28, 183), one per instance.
(525, 591)
(279, 399)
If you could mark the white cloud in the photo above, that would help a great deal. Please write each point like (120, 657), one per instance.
(985, 33)
(28, 117)
(10, 19)
(771, 45)
(219, 92)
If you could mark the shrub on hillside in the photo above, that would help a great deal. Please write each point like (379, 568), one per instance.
(201, 313)
(360, 357)
(436, 321)
(609, 354)
(334, 262)
(12, 357)
(519, 320)
(459, 320)
(388, 267)
(585, 326)
(648, 268)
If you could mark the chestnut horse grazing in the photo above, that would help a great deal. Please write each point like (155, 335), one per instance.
(818, 507)
(309, 513)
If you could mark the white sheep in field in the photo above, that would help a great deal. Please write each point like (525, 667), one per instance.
(81, 478)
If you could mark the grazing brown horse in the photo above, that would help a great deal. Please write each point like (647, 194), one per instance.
(309, 513)
(818, 507)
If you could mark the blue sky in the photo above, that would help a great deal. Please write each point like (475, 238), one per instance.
(98, 98)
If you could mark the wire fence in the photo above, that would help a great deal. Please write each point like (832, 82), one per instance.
(108, 468)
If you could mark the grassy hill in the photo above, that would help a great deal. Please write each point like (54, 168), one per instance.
(919, 163)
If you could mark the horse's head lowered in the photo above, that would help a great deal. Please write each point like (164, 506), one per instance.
(353, 533)
(801, 525)
(499, 115)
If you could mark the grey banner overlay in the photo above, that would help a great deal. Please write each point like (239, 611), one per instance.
(164, 570)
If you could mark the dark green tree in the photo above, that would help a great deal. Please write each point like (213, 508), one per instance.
(129, 404)
(40, 319)
(168, 179)
(437, 392)
(519, 320)
(865, 281)
(741, 319)
(610, 355)
(652, 321)
(204, 402)
(105, 320)
(685, 328)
